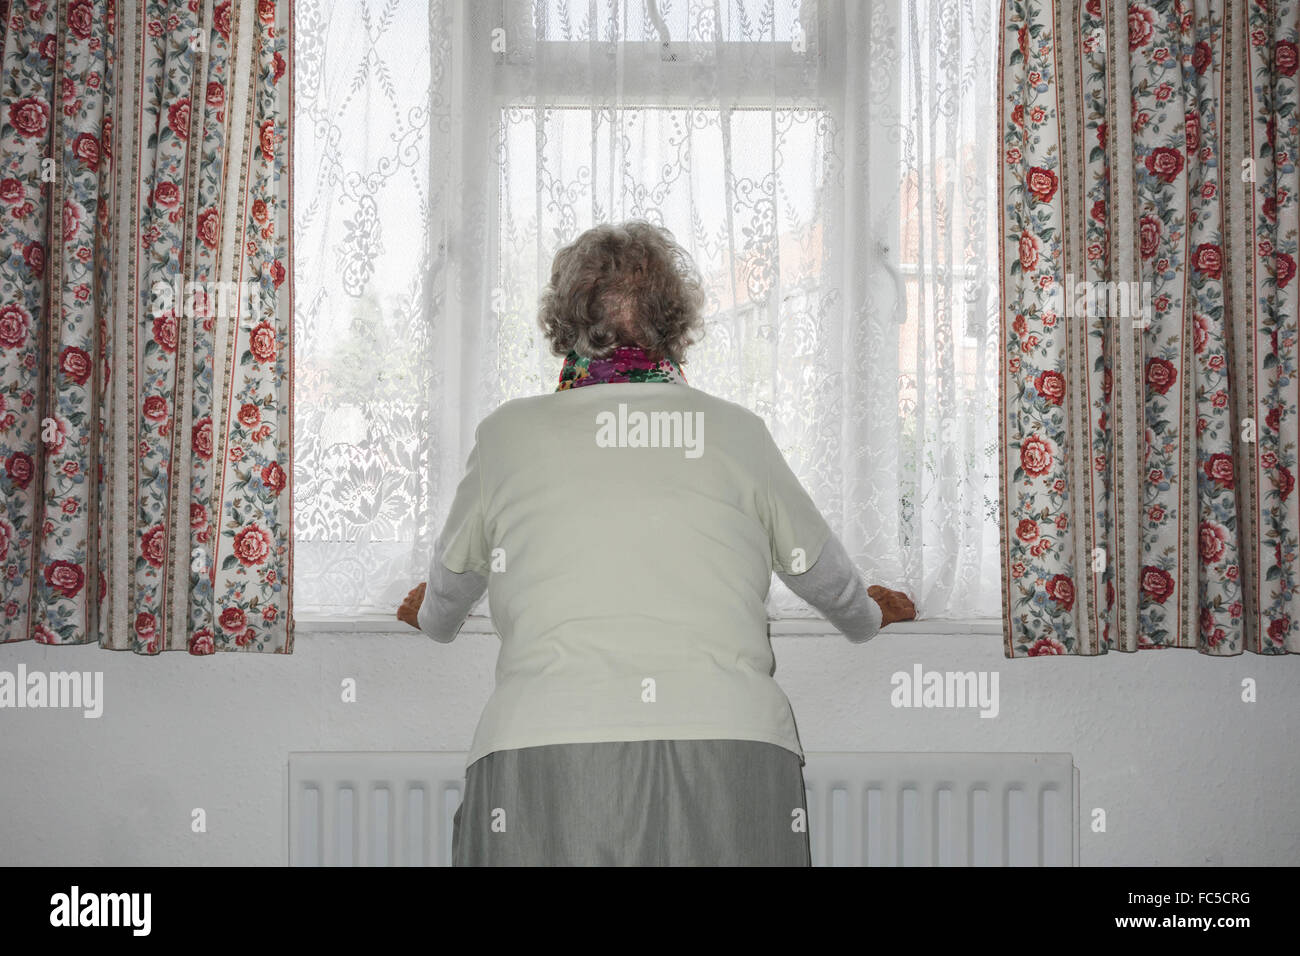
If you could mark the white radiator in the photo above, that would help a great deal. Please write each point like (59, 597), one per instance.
(864, 809)
(941, 809)
(373, 809)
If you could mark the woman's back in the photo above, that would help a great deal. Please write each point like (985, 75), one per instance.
(626, 528)
(629, 533)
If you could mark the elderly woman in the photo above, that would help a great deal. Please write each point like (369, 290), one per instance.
(626, 537)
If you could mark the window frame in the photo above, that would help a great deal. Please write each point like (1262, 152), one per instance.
(643, 60)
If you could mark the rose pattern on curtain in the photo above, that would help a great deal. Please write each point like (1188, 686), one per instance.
(1149, 458)
(145, 436)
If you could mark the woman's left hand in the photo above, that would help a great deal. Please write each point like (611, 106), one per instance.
(410, 608)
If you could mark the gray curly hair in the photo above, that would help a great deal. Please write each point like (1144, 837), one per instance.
(629, 284)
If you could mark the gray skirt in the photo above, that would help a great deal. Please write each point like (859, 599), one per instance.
(634, 803)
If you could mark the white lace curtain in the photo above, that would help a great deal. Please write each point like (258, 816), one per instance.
(830, 165)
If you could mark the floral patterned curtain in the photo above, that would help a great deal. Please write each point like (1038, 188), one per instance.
(145, 331)
(1149, 215)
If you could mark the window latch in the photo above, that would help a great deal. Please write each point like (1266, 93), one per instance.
(900, 288)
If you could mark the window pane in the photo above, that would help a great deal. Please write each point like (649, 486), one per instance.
(361, 259)
(712, 177)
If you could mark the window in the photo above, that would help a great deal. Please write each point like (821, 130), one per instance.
(826, 163)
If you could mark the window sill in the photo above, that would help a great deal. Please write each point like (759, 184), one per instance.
(787, 627)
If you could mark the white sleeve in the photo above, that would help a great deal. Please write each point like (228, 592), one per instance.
(464, 533)
(461, 555)
(796, 529)
(835, 588)
(448, 597)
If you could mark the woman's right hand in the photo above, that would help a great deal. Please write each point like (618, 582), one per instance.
(894, 605)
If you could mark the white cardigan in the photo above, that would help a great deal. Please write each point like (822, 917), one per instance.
(627, 567)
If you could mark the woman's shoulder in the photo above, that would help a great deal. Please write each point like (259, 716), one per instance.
(557, 403)
(517, 419)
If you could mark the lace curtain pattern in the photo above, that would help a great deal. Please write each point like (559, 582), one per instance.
(828, 164)
(144, 438)
(1150, 439)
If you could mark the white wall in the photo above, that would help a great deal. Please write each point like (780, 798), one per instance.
(1187, 773)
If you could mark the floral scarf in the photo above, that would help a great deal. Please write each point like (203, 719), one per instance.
(623, 365)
